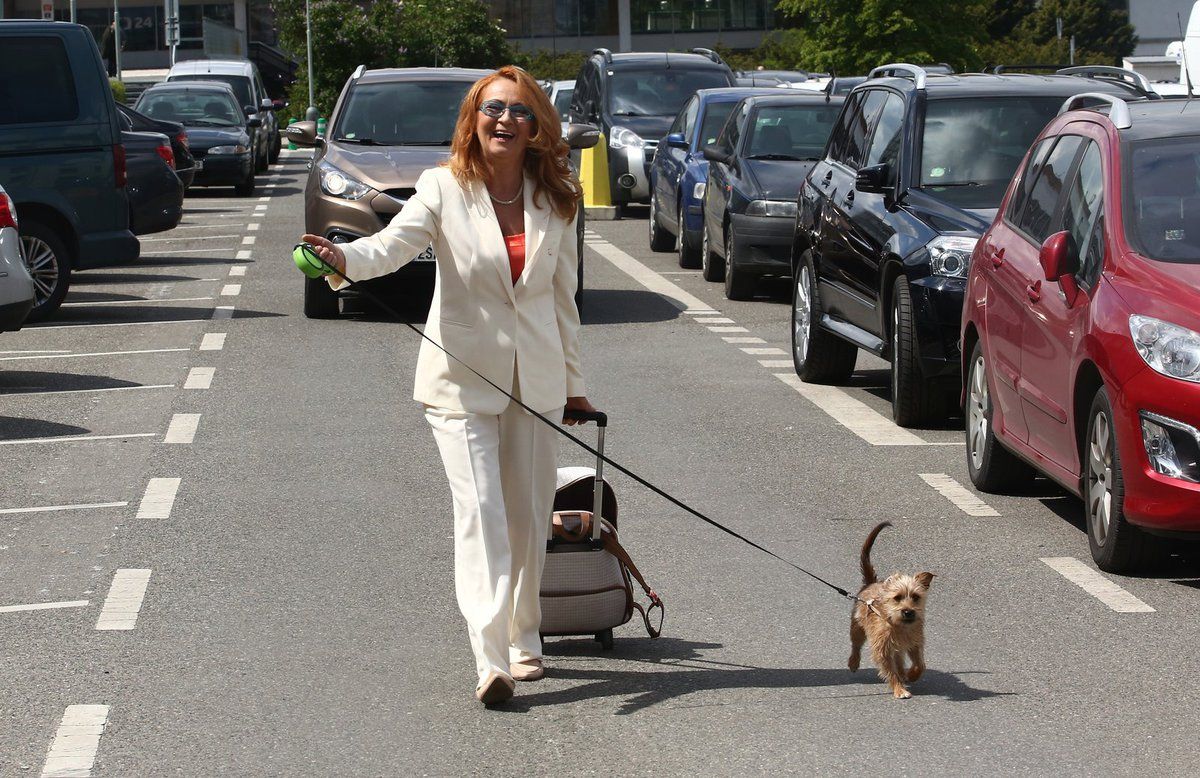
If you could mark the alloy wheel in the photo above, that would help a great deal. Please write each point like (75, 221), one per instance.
(653, 221)
(802, 316)
(679, 231)
(1100, 477)
(43, 267)
(705, 256)
(977, 404)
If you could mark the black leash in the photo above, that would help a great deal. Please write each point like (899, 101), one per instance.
(559, 429)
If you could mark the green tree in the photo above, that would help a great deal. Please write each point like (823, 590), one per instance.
(1099, 26)
(1002, 17)
(452, 33)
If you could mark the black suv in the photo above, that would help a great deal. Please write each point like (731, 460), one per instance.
(633, 98)
(886, 221)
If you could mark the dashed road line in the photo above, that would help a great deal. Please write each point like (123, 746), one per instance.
(199, 378)
(159, 498)
(231, 290)
(74, 439)
(243, 254)
(252, 227)
(671, 292)
(728, 339)
(54, 508)
(856, 416)
(89, 391)
(124, 600)
(213, 341)
(728, 329)
(95, 354)
(182, 428)
(73, 752)
(248, 240)
(966, 500)
(714, 320)
(237, 270)
(190, 237)
(223, 312)
(43, 606)
(776, 363)
(763, 351)
(1095, 584)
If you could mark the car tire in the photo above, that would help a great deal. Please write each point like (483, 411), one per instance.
(276, 148)
(915, 401)
(49, 263)
(818, 356)
(712, 267)
(261, 161)
(689, 255)
(739, 285)
(246, 187)
(579, 289)
(320, 302)
(991, 467)
(1117, 546)
(660, 239)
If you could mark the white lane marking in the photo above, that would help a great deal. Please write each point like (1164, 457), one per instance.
(199, 378)
(90, 391)
(223, 312)
(177, 240)
(192, 251)
(714, 320)
(248, 240)
(38, 351)
(90, 325)
(763, 352)
(1095, 584)
(182, 428)
(237, 270)
(158, 498)
(966, 500)
(231, 290)
(124, 599)
(243, 254)
(213, 341)
(252, 227)
(262, 207)
(73, 752)
(75, 438)
(855, 416)
(728, 339)
(264, 199)
(701, 312)
(136, 302)
(53, 508)
(776, 363)
(649, 279)
(43, 606)
(196, 227)
(96, 354)
(728, 329)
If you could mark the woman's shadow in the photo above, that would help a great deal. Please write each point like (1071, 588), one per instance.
(695, 673)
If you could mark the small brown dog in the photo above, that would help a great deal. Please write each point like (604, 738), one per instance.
(891, 615)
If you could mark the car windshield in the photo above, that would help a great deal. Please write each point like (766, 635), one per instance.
(790, 131)
(714, 119)
(239, 84)
(972, 146)
(1162, 209)
(193, 108)
(401, 113)
(562, 102)
(659, 91)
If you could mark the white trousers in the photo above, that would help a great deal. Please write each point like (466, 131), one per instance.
(502, 472)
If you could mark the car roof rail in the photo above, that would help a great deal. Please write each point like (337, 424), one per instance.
(606, 53)
(714, 56)
(358, 71)
(1118, 113)
(1121, 76)
(1000, 70)
(899, 70)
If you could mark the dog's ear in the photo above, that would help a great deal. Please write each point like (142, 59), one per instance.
(925, 579)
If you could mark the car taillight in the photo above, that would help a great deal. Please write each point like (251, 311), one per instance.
(167, 155)
(119, 165)
(8, 212)
(183, 140)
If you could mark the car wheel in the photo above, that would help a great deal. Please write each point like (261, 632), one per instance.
(818, 356)
(739, 284)
(712, 267)
(261, 160)
(990, 465)
(660, 239)
(579, 288)
(320, 302)
(688, 255)
(49, 265)
(914, 400)
(246, 187)
(276, 148)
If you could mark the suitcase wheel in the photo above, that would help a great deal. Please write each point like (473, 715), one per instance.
(605, 638)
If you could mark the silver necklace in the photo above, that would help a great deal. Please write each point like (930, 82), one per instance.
(514, 197)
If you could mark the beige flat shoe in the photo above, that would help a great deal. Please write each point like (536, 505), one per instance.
(528, 670)
(495, 689)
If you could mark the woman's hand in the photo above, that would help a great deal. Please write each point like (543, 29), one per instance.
(328, 251)
(577, 404)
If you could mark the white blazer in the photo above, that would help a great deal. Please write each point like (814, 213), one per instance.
(477, 312)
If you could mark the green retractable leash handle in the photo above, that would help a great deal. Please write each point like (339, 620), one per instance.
(309, 261)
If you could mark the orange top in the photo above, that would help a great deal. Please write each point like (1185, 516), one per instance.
(516, 255)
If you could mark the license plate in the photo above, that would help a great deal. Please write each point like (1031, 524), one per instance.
(425, 256)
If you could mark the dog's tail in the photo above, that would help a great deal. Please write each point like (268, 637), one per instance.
(868, 570)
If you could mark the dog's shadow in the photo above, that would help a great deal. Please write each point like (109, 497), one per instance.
(695, 673)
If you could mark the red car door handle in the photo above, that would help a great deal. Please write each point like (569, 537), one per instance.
(997, 259)
(1034, 291)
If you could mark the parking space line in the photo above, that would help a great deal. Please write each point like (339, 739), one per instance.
(124, 600)
(43, 606)
(714, 320)
(753, 351)
(223, 312)
(248, 240)
(698, 312)
(213, 341)
(182, 428)
(54, 508)
(648, 278)
(90, 325)
(243, 254)
(237, 270)
(728, 339)
(191, 237)
(856, 416)
(1095, 584)
(136, 302)
(199, 378)
(773, 363)
(964, 499)
(252, 227)
(728, 329)
(263, 199)
(158, 498)
(231, 290)
(38, 351)
(95, 354)
(156, 253)
(73, 752)
(74, 439)
(89, 391)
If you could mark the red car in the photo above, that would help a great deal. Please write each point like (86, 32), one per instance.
(1081, 328)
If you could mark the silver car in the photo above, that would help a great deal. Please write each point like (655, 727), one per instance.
(16, 285)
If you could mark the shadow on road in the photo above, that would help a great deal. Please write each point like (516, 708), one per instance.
(83, 279)
(37, 381)
(139, 314)
(625, 306)
(17, 428)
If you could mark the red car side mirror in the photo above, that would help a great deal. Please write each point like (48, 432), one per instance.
(1060, 262)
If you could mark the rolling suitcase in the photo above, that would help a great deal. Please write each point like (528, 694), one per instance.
(587, 581)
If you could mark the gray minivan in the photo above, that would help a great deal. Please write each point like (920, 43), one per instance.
(61, 157)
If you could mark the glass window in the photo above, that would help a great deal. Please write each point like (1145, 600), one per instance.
(885, 141)
(404, 113)
(790, 131)
(658, 91)
(193, 107)
(241, 85)
(715, 116)
(1084, 198)
(842, 130)
(732, 132)
(36, 81)
(860, 127)
(1038, 218)
(1162, 206)
(1036, 159)
(562, 102)
(689, 116)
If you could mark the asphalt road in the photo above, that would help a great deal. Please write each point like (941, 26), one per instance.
(286, 606)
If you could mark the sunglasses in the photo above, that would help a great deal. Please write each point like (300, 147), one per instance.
(496, 108)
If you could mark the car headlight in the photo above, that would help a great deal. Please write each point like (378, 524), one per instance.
(1171, 350)
(785, 208)
(950, 255)
(623, 138)
(335, 182)
(698, 191)
(238, 149)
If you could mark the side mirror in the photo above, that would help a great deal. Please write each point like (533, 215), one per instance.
(250, 110)
(255, 122)
(1060, 262)
(581, 136)
(279, 104)
(872, 180)
(267, 104)
(715, 154)
(302, 133)
(677, 140)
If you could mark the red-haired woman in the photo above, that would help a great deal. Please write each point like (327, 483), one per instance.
(501, 218)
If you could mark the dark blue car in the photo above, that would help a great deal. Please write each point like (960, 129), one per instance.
(679, 170)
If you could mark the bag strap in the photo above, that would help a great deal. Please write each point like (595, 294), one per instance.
(612, 546)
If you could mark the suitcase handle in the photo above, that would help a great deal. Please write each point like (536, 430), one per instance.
(600, 418)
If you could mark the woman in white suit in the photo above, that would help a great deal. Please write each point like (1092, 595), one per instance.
(501, 218)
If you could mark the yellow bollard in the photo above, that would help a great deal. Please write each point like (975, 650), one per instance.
(593, 176)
